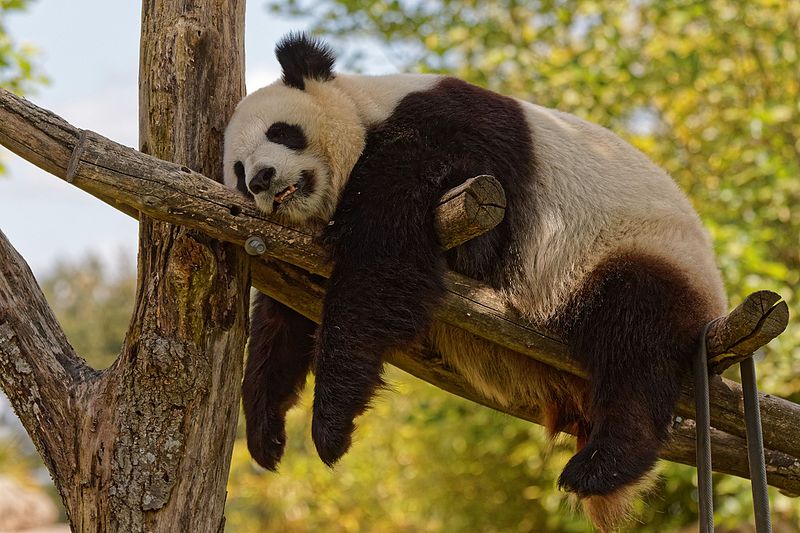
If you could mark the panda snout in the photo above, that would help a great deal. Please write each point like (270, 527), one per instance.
(261, 180)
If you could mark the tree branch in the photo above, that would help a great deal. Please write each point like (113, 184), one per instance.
(120, 175)
(39, 370)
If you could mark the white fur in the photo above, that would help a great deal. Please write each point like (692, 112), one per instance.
(377, 96)
(598, 196)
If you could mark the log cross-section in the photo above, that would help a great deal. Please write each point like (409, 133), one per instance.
(130, 180)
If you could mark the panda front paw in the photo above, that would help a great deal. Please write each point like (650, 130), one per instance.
(332, 433)
(266, 441)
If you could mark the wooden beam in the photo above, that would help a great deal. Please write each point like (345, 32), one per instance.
(761, 317)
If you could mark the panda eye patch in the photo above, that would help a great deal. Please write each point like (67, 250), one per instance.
(289, 135)
(241, 182)
(238, 169)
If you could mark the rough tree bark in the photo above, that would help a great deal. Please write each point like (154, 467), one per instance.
(146, 444)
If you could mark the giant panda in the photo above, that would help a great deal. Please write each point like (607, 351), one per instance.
(598, 244)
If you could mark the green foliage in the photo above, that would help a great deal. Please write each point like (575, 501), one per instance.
(423, 461)
(93, 306)
(18, 73)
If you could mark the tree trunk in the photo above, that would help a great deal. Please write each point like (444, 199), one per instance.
(177, 381)
(146, 444)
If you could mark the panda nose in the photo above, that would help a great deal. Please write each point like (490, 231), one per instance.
(260, 181)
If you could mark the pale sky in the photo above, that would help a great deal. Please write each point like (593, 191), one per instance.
(89, 49)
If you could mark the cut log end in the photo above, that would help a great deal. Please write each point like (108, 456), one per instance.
(761, 317)
(469, 210)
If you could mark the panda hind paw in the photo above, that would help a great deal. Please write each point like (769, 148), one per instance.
(603, 467)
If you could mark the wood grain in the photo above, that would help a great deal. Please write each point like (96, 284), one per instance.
(761, 317)
(469, 210)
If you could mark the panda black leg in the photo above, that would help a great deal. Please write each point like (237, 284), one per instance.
(279, 358)
(370, 308)
(344, 383)
(387, 278)
(635, 332)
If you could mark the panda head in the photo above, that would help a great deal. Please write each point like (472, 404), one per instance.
(291, 145)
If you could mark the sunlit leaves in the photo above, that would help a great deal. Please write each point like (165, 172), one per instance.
(17, 71)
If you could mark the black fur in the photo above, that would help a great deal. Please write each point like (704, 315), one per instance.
(388, 264)
(241, 180)
(289, 135)
(635, 326)
(304, 57)
(280, 350)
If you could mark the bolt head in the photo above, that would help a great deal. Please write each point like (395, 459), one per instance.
(255, 245)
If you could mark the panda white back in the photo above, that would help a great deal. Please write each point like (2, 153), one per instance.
(598, 196)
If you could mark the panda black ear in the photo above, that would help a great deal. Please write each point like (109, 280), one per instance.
(303, 57)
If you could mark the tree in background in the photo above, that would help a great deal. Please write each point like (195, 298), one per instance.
(18, 73)
(93, 303)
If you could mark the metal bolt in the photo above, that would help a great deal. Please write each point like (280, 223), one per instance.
(255, 245)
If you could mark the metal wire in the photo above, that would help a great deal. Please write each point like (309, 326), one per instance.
(705, 490)
(755, 446)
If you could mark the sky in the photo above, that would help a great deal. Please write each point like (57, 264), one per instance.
(90, 51)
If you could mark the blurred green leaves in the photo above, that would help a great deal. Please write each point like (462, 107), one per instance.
(93, 305)
(18, 72)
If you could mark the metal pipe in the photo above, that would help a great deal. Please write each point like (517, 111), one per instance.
(705, 489)
(755, 446)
